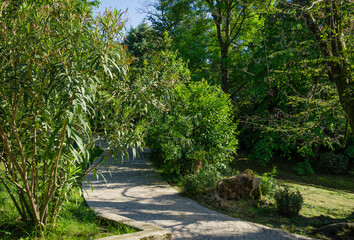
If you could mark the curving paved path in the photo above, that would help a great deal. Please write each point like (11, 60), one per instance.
(135, 190)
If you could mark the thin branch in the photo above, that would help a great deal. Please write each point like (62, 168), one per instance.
(53, 174)
(19, 210)
(8, 149)
(96, 165)
(238, 18)
(318, 1)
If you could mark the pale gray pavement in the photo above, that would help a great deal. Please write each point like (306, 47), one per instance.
(135, 190)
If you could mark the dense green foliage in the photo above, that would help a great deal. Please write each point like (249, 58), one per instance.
(278, 70)
(334, 162)
(286, 87)
(197, 129)
(142, 42)
(63, 75)
(296, 110)
(203, 182)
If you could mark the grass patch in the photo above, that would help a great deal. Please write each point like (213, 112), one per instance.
(320, 201)
(328, 199)
(76, 221)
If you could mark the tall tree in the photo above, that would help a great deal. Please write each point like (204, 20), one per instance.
(188, 25)
(329, 22)
(289, 105)
(142, 41)
(231, 19)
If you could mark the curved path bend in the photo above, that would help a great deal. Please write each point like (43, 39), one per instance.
(135, 190)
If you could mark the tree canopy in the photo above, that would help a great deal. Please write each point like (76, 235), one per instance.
(286, 65)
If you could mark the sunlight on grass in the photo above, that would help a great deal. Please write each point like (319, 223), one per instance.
(321, 201)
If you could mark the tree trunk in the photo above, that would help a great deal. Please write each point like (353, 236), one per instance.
(224, 69)
(340, 75)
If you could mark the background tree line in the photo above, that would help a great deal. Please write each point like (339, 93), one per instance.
(285, 64)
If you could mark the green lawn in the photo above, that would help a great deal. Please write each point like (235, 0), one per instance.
(335, 204)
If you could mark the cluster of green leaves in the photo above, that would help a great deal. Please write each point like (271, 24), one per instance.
(268, 183)
(187, 23)
(154, 80)
(61, 71)
(197, 128)
(294, 108)
(203, 182)
(141, 42)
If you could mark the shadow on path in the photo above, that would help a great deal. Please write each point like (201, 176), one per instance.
(135, 190)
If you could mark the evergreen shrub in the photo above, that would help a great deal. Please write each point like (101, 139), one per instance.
(289, 203)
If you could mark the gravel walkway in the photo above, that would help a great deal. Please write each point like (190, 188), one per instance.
(135, 190)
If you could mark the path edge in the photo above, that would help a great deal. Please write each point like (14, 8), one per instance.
(147, 231)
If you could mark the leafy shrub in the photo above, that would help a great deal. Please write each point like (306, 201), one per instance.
(303, 168)
(196, 129)
(333, 163)
(289, 203)
(57, 64)
(206, 180)
(225, 170)
(268, 184)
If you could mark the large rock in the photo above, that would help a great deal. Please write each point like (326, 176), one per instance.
(244, 185)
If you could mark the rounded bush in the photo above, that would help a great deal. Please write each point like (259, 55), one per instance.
(289, 203)
(196, 130)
